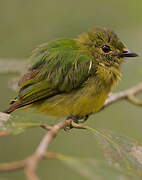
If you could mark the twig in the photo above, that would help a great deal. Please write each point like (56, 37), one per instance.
(32, 161)
(45, 126)
(134, 100)
(124, 95)
(12, 166)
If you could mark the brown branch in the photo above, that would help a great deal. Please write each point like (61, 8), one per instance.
(45, 126)
(30, 164)
(12, 166)
(32, 161)
(114, 97)
(132, 98)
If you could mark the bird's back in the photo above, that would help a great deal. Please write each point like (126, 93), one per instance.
(57, 67)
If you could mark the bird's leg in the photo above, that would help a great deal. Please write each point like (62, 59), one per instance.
(85, 118)
(75, 120)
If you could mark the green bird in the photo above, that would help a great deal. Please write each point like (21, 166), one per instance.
(72, 77)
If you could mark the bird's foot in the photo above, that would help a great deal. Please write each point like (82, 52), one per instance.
(76, 123)
(74, 120)
(85, 118)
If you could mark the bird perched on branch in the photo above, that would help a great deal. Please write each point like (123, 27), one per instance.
(72, 77)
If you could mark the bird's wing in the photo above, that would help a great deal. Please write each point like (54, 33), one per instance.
(57, 67)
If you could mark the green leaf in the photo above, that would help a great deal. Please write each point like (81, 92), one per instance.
(15, 124)
(94, 169)
(121, 151)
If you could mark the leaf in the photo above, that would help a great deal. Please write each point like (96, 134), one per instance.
(12, 124)
(94, 169)
(15, 124)
(121, 151)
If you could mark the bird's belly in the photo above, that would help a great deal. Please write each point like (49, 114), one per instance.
(90, 102)
(78, 103)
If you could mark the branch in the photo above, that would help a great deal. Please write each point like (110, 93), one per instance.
(42, 148)
(127, 94)
(30, 164)
(12, 166)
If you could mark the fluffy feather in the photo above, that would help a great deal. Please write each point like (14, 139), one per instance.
(71, 76)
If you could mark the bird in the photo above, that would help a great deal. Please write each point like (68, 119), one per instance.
(71, 78)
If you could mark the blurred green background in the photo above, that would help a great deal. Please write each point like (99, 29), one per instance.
(26, 24)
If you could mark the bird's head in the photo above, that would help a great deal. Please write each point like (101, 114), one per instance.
(106, 47)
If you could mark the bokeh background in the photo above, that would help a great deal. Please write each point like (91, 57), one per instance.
(26, 24)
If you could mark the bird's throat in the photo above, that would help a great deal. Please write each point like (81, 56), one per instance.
(107, 76)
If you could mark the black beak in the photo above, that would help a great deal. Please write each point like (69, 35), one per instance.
(128, 53)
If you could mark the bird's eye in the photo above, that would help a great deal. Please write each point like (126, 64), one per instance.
(106, 48)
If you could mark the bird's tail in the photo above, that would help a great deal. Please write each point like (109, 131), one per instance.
(15, 104)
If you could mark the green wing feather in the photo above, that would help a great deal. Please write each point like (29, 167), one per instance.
(57, 67)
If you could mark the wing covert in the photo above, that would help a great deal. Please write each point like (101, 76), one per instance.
(57, 67)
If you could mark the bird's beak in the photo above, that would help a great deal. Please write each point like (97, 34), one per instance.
(128, 53)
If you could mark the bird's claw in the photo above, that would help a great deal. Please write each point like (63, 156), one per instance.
(74, 120)
(75, 123)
